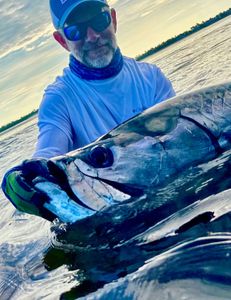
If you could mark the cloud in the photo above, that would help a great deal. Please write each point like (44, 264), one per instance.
(177, 14)
(145, 13)
(112, 2)
(23, 22)
(9, 8)
(27, 42)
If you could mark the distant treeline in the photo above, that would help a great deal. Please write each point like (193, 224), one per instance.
(151, 51)
(179, 37)
(24, 118)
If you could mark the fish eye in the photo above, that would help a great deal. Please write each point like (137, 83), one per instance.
(100, 157)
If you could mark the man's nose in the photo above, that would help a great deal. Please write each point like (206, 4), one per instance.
(92, 35)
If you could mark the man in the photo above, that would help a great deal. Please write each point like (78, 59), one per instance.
(98, 91)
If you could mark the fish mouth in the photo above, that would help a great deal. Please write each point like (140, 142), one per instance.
(125, 188)
(61, 180)
(113, 192)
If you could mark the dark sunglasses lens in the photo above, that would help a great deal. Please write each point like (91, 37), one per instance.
(73, 33)
(98, 23)
(101, 22)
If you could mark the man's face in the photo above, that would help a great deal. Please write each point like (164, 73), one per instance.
(95, 49)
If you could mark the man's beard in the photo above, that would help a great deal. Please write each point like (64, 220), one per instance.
(100, 61)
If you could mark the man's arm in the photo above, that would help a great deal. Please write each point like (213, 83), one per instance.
(52, 141)
(17, 183)
(55, 129)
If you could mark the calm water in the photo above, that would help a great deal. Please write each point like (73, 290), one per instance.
(30, 269)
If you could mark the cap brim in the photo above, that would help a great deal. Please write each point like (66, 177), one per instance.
(72, 7)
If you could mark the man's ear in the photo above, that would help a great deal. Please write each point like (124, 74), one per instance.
(114, 18)
(60, 39)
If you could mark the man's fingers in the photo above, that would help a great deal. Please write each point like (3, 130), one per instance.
(33, 168)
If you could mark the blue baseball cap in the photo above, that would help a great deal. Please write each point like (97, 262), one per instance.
(61, 9)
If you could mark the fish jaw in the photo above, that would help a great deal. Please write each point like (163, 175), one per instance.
(62, 206)
(87, 187)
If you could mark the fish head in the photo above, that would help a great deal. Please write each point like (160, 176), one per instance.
(120, 166)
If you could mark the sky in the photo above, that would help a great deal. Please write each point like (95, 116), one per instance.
(30, 59)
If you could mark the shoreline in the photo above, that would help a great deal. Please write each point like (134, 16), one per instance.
(146, 54)
(19, 121)
(181, 36)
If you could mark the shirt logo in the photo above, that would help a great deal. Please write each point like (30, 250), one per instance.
(63, 1)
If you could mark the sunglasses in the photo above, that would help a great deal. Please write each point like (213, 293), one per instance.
(77, 32)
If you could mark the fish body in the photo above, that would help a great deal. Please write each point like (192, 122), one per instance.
(198, 269)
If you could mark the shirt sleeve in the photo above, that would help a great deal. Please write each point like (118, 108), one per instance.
(164, 89)
(51, 142)
(55, 132)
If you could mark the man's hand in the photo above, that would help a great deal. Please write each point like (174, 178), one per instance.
(18, 187)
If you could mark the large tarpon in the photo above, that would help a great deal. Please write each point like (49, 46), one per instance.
(142, 154)
(129, 195)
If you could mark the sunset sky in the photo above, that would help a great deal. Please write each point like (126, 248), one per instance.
(30, 58)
